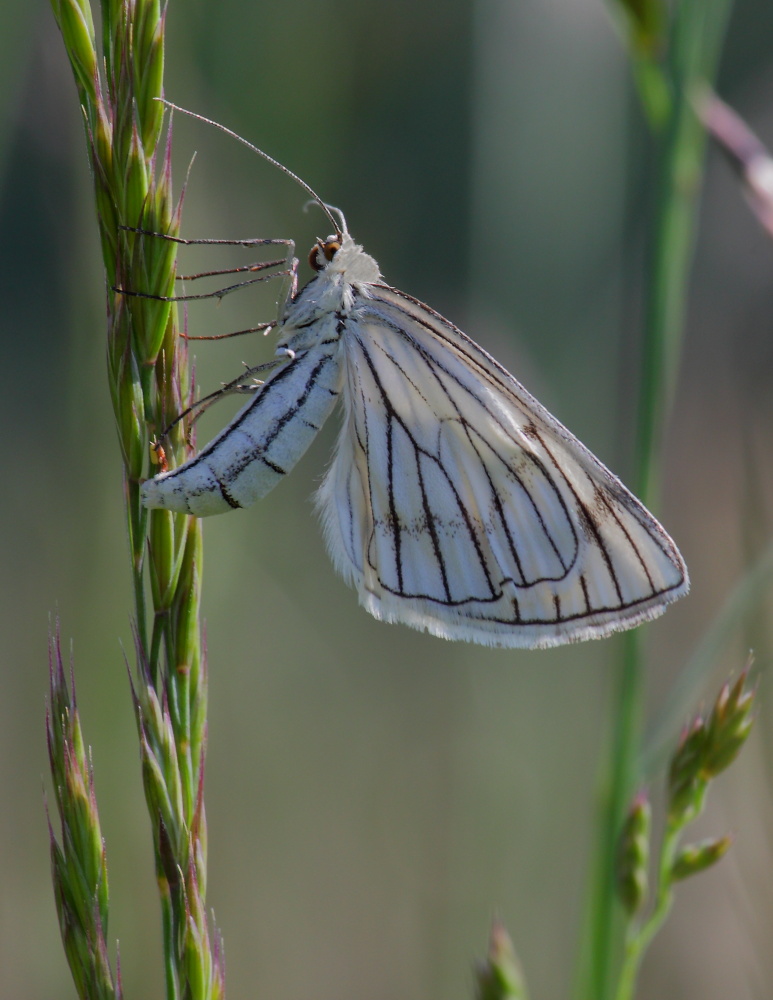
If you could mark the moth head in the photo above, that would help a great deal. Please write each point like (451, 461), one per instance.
(324, 251)
(339, 258)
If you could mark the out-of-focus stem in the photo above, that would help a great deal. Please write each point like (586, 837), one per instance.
(695, 39)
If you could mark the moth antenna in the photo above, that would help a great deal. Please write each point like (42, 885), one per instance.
(285, 170)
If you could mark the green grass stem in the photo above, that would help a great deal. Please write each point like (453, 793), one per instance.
(149, 379)
(694, 39)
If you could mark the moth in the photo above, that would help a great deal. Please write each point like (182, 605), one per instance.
(455, 503)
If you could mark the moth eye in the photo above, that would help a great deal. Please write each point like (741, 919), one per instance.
(313, 257)
(330, 249)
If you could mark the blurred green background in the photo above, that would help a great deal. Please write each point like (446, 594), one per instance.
(374, 795)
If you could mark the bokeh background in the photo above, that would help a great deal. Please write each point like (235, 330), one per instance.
(374, 795)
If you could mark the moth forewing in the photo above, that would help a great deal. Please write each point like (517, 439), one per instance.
(457, 504)
(262, 443)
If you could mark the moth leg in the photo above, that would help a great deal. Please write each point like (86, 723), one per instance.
(288, 261)
(237, 385)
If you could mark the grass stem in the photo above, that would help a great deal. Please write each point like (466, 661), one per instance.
(695, 37)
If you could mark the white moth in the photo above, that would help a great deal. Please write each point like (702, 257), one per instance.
(455, 503)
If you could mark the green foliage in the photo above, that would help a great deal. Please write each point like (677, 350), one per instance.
(706, 748)
(149, 379)
(79, 865)
(633, 854)
(499, 977)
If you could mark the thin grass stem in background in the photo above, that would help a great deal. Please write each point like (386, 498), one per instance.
(691, 36)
